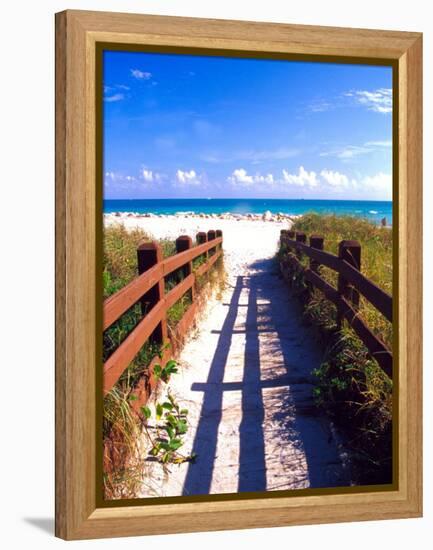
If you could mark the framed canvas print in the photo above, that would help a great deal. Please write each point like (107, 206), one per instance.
(238, 218)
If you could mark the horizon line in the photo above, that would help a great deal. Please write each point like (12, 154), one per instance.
(241, 198)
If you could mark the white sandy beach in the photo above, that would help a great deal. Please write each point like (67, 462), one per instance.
(245, 376)
(246, 240)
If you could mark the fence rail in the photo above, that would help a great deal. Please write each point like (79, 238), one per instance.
(351, 283)
(148, 289)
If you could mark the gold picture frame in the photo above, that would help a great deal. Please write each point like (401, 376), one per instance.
(80, 35)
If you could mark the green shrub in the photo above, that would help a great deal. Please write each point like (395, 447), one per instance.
(351, 386)
(123, 465)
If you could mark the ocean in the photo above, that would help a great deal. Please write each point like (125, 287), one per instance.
(372, 210)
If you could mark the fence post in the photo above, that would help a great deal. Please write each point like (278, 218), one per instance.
(316, 241)
(350, 251)
(184, 242)
(148, 255)
(211, 234)
(218, 234)
(201, 239)
(300, 238)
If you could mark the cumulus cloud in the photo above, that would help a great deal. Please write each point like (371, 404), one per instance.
(241, 177)
(302, 178)
(380, 183)
(190, 177)
(335, 179)
(148, 175)
(141, 75)
(117, 179)
(379, 101)
(269, 178)
(111, 175)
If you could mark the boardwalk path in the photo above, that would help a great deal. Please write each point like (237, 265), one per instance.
(245, 378)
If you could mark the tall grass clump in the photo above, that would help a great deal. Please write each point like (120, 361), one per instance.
(351, 386)
(376, 257)
(122, 429)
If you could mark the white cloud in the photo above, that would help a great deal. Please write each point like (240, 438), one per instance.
(379, 101)
(302, 179)
(379, 184)
(150, 176)
(187, 177)
(252, 155)
(267, 179)
(319, 106)
(335, 179)
(117, 179)
(111, 175)
(241, 177)
(324, 183)
(141, 75)
(147, 175)
(384, 143)
(115, 97)
(112, 92)
(349, 152)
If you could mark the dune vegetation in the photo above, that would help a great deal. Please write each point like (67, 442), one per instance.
(123, 465)
(350, 385)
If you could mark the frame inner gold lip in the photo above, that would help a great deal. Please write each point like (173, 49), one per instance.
(100, 47)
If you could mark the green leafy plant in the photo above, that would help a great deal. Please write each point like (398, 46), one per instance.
(171, 422)
(165, 372)
(123, 461)
(349, 384)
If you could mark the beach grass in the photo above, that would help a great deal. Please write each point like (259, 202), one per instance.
(123, 465)
(376, 258)
(350, 385)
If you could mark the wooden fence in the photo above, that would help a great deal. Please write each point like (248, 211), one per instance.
(149, 290)
(351, 283)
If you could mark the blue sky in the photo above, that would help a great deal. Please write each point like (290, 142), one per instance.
(193, 126)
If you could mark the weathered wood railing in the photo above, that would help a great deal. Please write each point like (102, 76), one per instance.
(351, 283)
(149, 290)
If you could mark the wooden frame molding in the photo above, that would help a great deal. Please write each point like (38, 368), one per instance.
(78, 34)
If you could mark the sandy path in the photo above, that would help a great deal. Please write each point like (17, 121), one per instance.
(245, 378)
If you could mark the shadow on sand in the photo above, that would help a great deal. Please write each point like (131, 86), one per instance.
(299, 425)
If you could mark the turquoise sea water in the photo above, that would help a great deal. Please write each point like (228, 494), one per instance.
(373, 210)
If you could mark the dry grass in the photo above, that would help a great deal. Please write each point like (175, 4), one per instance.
(376, 258)
(124, 466)
(350, 384)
